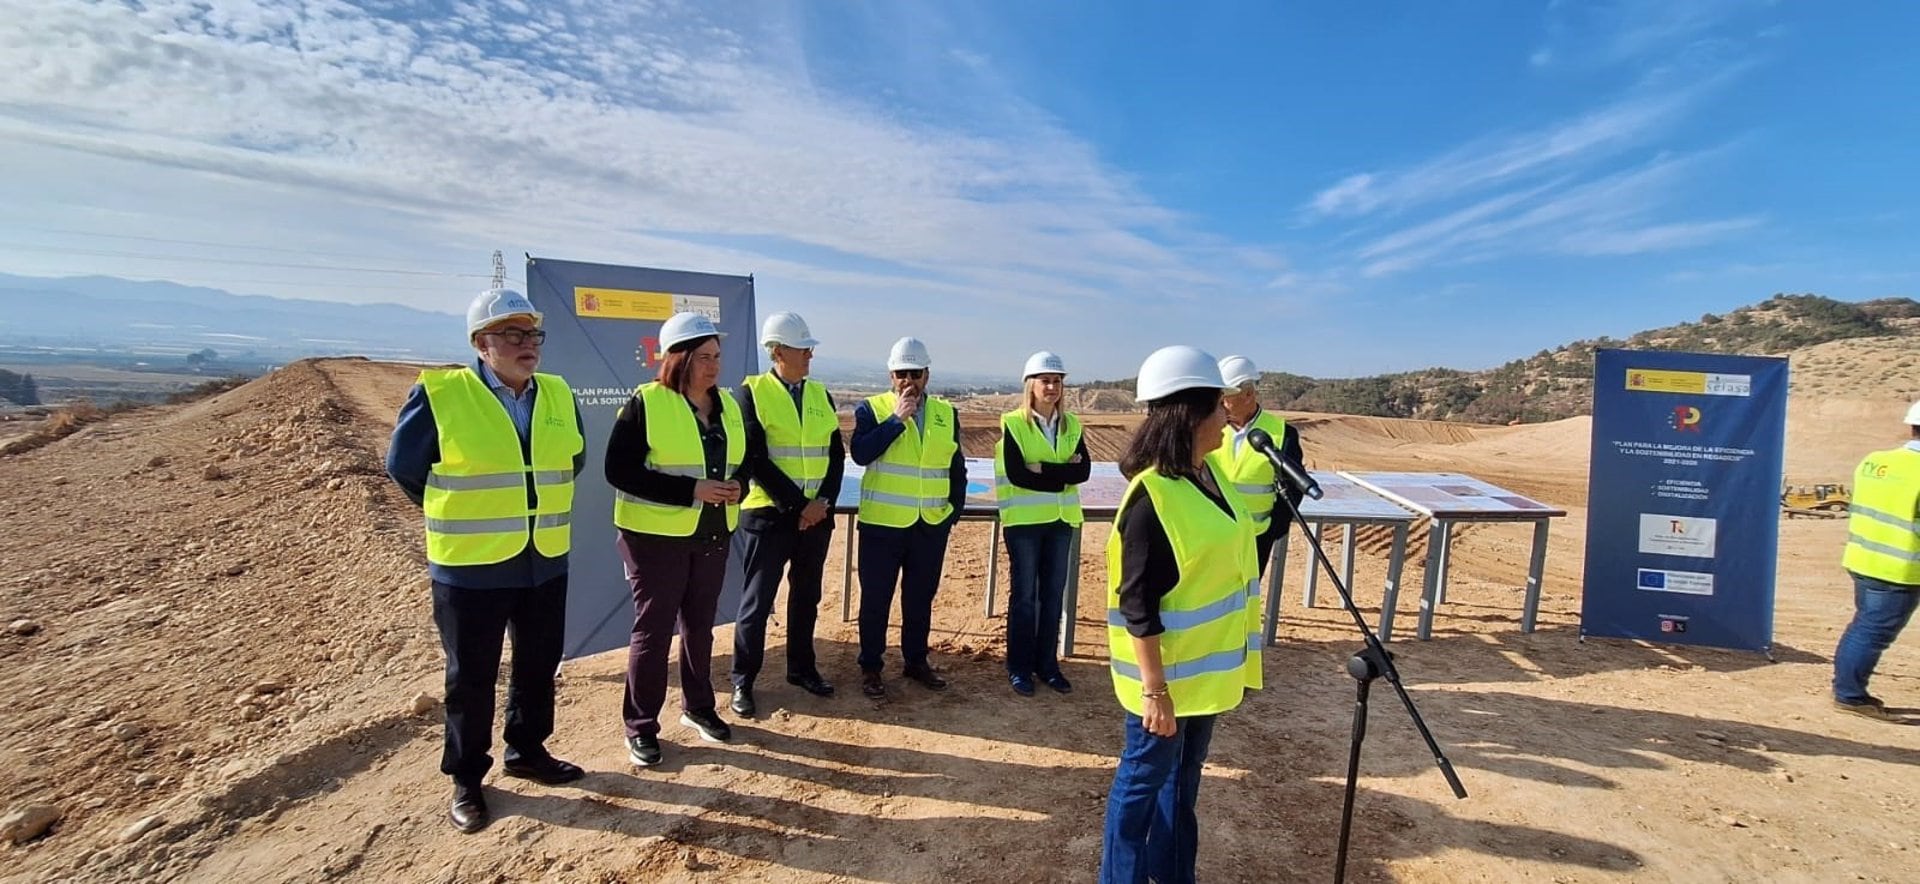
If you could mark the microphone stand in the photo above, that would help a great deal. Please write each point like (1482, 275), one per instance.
(1370, 662)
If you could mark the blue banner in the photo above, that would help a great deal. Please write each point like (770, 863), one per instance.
(603, 326)
(1683, 513)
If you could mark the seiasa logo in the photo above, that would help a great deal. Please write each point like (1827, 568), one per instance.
(1677, 527)
(1685, 419)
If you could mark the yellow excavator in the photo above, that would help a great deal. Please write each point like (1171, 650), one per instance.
(1817, 501)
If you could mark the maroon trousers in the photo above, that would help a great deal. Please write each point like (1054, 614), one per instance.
(676, 583)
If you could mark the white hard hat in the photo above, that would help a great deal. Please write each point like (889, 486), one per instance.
(788, 330)
(494, 305)
(908, 353)
(682, 327)
(1237, 370)
(1172, 369)
(1913, 415)
(1044, 362)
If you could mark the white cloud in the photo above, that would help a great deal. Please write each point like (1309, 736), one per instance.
(645, 132)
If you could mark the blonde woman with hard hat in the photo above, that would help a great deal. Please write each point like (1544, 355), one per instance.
(1883, 557)
(490, 451)
(674, 460)
(786, 522)
(1249, 470)
(1183, 616)
(910, 495)
(1038, 466)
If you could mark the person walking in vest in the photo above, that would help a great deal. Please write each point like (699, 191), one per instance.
(1249, 470)
(1883, 555)
(490, 451)
(672, 459)
(910, 496)
(1038, 465)
(1183, 616)
(785, 522)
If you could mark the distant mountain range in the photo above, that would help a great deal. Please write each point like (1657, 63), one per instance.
(165, 319)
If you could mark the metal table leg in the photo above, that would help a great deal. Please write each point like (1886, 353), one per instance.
(993, 561)
(1430, 584)
(1535, 568)
(1446, 561)
(1070, 606)
(846, 573)
(1276, 578)
(1346, 554)
(1313, 568)
(1391, 598)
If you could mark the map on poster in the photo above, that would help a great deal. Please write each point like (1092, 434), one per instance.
(1453, 495)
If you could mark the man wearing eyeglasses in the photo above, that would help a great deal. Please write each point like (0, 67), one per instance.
(910, 495)
(490, 451)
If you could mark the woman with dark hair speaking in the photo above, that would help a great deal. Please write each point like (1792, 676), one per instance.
(1182, 614)
(672, 459)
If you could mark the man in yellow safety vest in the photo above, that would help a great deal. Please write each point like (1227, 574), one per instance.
(1883, 555)
(490, 451)
(910, 496)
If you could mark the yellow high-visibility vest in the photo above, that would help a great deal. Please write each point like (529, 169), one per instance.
(673, 447)
(1883, 540)
(1251, 472)
(476, 496)
(798, 440)
(910, 481)
(1021, 506)
(1210, 651)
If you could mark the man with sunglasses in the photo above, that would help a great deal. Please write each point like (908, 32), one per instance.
(910, 495)
(490, 451)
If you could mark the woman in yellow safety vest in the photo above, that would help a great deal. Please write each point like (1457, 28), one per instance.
(1183, 622)
(1038, 467)
(672, 459)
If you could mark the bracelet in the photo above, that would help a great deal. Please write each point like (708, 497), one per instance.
(1153, 694)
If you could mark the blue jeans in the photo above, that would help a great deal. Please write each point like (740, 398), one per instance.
(1880, 611)
(1152, 829)
(1037, 557)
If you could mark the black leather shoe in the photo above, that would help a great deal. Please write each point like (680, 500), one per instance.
(643, 751)
(1058, 682)
(469, 812)
(711, 728)
(926, 676)
(1022, 684)
(872, 686)
(743, 702)
(548, 770)
(812, 683)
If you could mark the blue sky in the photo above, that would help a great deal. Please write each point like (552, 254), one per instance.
(1330, 188)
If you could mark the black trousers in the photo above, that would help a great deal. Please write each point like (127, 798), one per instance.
(767, 545)
(473, 623)
(912, 557)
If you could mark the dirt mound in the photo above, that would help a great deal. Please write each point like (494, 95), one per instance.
(227, 623)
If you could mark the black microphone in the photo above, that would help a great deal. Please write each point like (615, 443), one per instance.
(1295, 474)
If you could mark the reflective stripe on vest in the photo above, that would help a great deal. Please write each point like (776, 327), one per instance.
(674, 448)
(1022, 506)
(911, 480)
(1210, 651)
(1249, 471)
(1883, 541)
(475, 501)
(798, 441)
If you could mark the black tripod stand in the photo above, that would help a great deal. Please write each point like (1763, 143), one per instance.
(1366, 664)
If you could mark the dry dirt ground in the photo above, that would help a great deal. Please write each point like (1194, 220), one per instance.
(232, 626)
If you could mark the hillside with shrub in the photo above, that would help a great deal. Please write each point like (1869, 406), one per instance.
(1557, 383)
